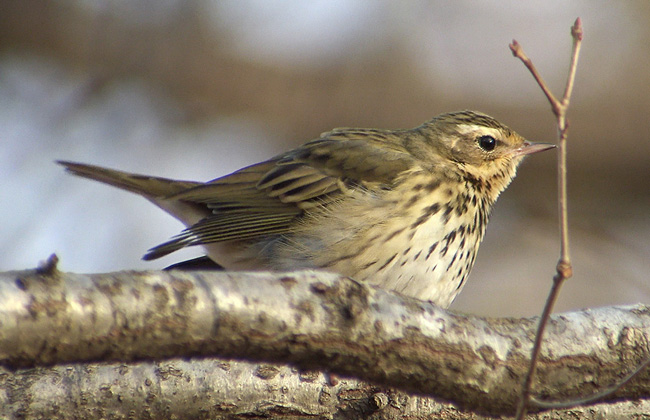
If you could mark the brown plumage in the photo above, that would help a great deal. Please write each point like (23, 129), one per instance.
(404, 209)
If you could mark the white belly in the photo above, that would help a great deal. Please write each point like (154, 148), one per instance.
(391, 247)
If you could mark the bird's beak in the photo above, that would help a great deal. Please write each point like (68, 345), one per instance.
(529, 148)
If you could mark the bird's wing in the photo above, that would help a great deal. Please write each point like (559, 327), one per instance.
(268, 197)
(362, 155)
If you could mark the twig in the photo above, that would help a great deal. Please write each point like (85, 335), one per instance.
(564, 268)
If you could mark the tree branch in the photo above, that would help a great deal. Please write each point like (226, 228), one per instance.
(315, 320)
(210, 388)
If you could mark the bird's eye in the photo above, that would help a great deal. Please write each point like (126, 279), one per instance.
(487, 143)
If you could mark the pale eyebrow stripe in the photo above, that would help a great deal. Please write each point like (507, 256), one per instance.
(473, 128)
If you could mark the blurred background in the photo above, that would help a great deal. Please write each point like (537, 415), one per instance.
(195, 89)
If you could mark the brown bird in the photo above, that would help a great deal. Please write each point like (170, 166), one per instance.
(402, 209)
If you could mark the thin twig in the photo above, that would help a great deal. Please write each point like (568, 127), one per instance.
(518, 52)
(564, 268)
(565, 260)
(537, 346)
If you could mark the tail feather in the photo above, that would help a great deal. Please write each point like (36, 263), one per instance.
(200, 263)
(135, 183)
(157, 190)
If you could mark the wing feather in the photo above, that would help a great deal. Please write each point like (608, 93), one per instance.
(267, 198)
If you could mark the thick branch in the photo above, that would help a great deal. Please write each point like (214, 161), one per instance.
(315, 320)
(221, 389)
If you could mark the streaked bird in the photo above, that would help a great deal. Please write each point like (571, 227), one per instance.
(402, 209)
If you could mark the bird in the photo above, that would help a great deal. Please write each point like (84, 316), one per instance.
(404, 210)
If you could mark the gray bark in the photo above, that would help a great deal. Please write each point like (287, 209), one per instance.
(309, 320)
(209, 388)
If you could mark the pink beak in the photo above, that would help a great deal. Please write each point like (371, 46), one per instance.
(529, 148)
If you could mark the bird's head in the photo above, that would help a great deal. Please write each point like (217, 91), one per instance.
(477, 147)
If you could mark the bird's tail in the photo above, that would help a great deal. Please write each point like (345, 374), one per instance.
(149, 186)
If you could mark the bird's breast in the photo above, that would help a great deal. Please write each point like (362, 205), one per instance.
(419, 240)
